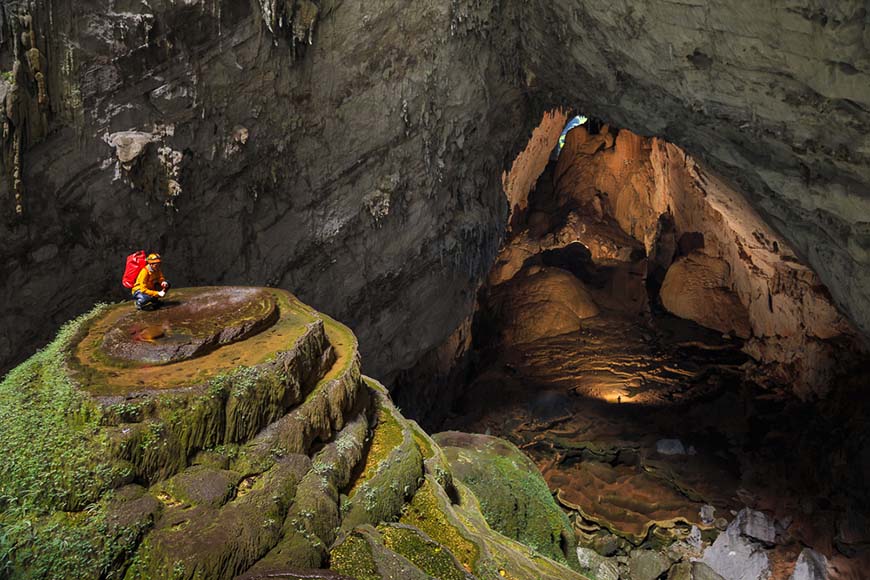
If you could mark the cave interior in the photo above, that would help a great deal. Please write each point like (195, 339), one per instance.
(664, 307)
(661, 353)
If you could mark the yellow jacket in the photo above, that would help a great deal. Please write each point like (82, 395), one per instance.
(146, 282)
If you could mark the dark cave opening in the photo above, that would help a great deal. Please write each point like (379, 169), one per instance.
(630, 340)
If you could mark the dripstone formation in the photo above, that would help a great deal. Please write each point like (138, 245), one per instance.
(269, 455)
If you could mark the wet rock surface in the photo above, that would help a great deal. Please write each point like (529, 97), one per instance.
(190, 323)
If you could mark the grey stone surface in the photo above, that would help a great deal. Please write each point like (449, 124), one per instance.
(606, 545)
(647, 564)
(737, 557)
(756, 525)
(701, 571)
(680, 571)
(708, 514)
(692, 571)
(596, 565)
(670, 447)
(810, 566)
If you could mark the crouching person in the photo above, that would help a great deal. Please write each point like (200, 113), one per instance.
(150, 284)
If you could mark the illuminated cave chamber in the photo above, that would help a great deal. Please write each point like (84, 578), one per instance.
(656, 348)
(647, 212)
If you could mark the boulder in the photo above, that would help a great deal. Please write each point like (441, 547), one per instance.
(596, 565)
(542, 303)
(737, 556)
(756, 525)
(503, 478)
(810, 566)
(647, 564)
(670, 447)
(697, 288)
(692, 571)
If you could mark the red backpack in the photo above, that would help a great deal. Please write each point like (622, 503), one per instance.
(135, 263)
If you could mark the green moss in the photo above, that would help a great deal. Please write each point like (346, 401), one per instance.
(220, 542)
(55, 459)
(425, 513)
(422, 443)
(76, 545)
(387, 436)
(429, 556)
(502, 478)
(388, 481)
(50, 458)
(354, 557)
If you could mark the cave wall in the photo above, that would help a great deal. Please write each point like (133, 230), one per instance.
(330, 157)
(354, 154)
(774, 96)
(660, 196)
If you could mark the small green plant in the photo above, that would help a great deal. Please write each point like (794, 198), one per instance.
(55, 474)
(152, 436)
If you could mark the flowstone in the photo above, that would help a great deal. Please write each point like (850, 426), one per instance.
(191, 324)
(240, 439)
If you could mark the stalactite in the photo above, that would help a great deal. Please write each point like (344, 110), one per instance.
(297, 17)
(27, 99)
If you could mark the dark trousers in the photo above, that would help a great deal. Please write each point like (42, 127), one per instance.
(143, 300)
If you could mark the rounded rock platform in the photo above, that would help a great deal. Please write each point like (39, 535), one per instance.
(191, 322)
(198, 333)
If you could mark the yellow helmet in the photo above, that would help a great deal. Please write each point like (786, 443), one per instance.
(153, 259)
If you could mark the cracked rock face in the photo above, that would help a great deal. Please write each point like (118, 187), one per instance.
(353, 153)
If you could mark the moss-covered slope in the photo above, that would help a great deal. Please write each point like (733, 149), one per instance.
(270, 454)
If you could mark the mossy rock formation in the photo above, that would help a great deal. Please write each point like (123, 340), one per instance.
(230, 434)
(503, 478)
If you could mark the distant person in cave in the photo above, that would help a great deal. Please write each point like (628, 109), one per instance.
(150, 284)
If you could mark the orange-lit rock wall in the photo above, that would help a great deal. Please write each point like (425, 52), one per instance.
(530, 163)
(636, 180)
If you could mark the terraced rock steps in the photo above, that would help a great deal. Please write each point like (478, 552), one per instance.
(232, 434)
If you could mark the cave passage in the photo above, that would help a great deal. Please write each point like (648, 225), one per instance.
(649, 426)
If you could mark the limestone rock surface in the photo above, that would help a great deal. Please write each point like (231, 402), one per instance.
(543, 302)
(696, 287)
(268, 456)
(674, 207)
(737, 556)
